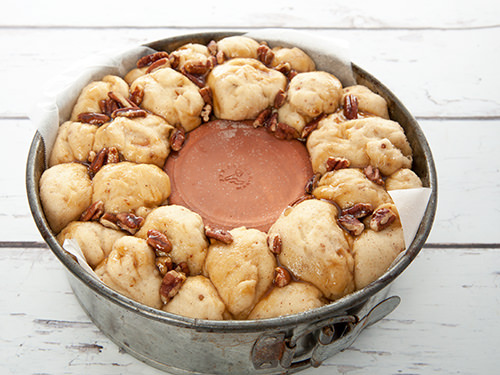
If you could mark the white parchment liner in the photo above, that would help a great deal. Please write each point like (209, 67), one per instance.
(329, 54)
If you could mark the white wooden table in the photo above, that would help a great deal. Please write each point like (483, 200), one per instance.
(441, 58)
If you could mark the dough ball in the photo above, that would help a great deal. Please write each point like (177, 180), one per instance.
(65, 192)
(369, 141)
(185, 231)
(126, 187)
(191, 52)
(349, 186)
(314, 248)
(172, 96)
(403, 179)
(375, 251)
(293, 298)
(297, 59)
(242, 88)
(368, 101)
(74, 142)
(95, 240)
(140, 140)
(94, 92)
(130, 269)
(197, 299)
(238, 46)
(241, 271)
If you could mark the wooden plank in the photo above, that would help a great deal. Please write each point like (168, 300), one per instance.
(258, 13)
(436, 73)
(446, 323)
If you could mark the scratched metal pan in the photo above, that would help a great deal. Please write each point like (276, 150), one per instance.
(285, 344)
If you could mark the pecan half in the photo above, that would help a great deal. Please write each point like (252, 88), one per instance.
(312, 126)
(177, 139)
(205, 113)
(212, 47)
(373, 174)
(171, 284)
(137, 95)
(149, 59)
(206, 94)
(334, 163)
(198, 80)
(93, 212)
(129, 222)
(351, 224)
(351, 107)
(120, 100)
(265, 54)
(108, 106)
(130, 112)
(197, 67)
(381, 219)
(109, 221)
(359, 210)
(99, 161)
(164, 62)
(159, 242)
(280, 99)
(283, 68)
(291, 74)
(164, 264)
(113, 156)
(276, 245)
(174, 60)
(285, 131)
(282, 277)
(93, 118)
(312, 183)
(184, 268)
(262, 118)
(218, 234)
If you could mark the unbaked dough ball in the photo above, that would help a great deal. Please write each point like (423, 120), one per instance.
(238, 46)
(349, 186)
(368, 101)
(375, 251)
(95, 240)
(127, 187)
(197, 299)
(241, 271)
(74, 142)
(403, 179)
(369, 141)
(140, 140)
(297, 59)
(185, 231)
(94, 92)
(242, 88)
(65, 192)
(314, 248)
(171, 95)
(193, 52)
(130, 269)
(293, 298)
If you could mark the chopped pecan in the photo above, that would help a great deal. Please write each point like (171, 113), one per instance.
(130, 112)
(351, 107)
(184, 268)
(218, 234)
(221, 57)
(171, 284)
(93, 212)
(351, 224)
(291, 74)
(271, 123)
(205, 113)
(197, 79)
(129, 222)
(212, 47)
(334, 163)
(276, 245)
(108, 106)
(262, 118)
(164, 62)
(164, 264)
(282, 277)
(93, 118)
(312, 183)
(137, 95)
(206, 94)
(149, 59)
(99, 161)
(381, 219)
(280, 98)
(159, 242)
(177, 139)
(197, 67)
(174, 61)
(285, 131)
(311, 126)
(284, 68)
(109, 221)
(265, 54)
(211, 62)
(120, 100)
(373, 174)
(359, 210)
(113, 156)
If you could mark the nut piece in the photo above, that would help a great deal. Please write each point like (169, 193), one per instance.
(94, 212)
(311, 126)
(149, 59)
(159, 242)
(351, 107)
(359, 210)
(164, 264)
(218, 234)
(284, 131)
(183, 267)
(381, 219)
(206, 94)
(129, 222)
(157, 64)
(282, 277)
(334, 163)
(351, 224)
(280, 98)
(171, 284)
(221, 57)
(312, 183)
(177, 139)
(265, 54)
(198, 80)
(109, 221)
(130, 112)
(283, 67)
(137, 95)
(93, 118)
(108, 106)
(262, 118)
(103, 157)
(276, 246)
(197, 67)
(205, 112)
(212, 47)
(373, 174)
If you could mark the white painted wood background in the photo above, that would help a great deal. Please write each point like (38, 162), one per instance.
(442, 58)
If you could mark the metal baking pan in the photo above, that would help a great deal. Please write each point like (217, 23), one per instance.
(285, 344)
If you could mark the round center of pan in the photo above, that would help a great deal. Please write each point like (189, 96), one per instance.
(233, 174)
